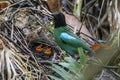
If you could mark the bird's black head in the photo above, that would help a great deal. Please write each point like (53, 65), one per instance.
(59, 19)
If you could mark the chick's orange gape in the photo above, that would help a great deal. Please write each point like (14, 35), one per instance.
(39, 48)
(46, 49)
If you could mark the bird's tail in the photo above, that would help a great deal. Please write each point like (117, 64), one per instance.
(97, 46)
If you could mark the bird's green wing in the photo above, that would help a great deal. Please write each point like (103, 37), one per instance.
(73, 40)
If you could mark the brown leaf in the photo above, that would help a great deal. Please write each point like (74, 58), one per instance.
(54, 5)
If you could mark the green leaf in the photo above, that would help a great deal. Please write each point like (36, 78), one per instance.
(66, 75)
(69, 59)
(72, 65)
(50, 27)
(75, 68)
(53, 77)
(77, 8)
(83, 57)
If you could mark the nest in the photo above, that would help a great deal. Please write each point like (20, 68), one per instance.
(26, 44)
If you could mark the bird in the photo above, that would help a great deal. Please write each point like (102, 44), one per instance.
(66, 39)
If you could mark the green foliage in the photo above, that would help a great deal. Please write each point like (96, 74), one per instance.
(70, 69)
(50, 27)
(77, 8)
(82, 56)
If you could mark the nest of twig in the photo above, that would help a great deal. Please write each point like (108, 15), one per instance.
(26, 44)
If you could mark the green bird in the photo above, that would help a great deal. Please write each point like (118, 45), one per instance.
(66, 39)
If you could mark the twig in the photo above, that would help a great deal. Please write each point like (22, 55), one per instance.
(12, 31)
(89, 37)
(101, 10)
(101, 75)
(95, 18)
(87, 6)
(102, 20)
(117, 74)
(18, 45)
(91, 27)
(48, 62)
